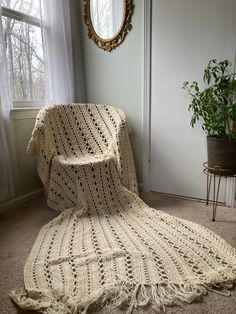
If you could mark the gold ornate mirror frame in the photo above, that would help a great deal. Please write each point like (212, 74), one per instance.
(111, 43)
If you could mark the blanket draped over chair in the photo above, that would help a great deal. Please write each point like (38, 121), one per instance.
(107, 247)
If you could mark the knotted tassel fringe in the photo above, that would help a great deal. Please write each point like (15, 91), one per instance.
(130, 295)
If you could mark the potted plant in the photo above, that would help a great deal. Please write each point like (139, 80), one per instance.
(215, 105)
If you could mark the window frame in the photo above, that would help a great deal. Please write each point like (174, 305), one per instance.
(19, 16)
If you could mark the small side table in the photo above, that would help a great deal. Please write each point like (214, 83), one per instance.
(217, 173)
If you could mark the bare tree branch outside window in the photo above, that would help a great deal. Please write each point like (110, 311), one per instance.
(24, 49)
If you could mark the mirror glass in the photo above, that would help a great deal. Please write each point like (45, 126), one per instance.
(107, 17)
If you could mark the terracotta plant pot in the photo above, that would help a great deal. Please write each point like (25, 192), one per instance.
(222, 155)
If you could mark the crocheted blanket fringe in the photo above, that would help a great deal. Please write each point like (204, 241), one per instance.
(130, 296)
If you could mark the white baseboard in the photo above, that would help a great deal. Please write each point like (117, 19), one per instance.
(21, 200)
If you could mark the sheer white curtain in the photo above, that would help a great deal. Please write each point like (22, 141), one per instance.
(61, 79)
(56, 21)
(6, 140)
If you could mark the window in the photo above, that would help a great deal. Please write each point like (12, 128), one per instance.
(24, 51)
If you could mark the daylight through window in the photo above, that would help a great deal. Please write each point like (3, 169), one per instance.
(24, 50)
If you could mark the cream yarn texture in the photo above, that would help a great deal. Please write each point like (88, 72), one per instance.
(107, 247)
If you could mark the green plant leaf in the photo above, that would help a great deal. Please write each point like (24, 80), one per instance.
(216, 103)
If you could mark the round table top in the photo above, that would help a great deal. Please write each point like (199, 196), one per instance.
(217, 170)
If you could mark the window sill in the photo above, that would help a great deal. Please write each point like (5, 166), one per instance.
(25, 113)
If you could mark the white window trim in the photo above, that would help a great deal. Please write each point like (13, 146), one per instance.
(19, 104)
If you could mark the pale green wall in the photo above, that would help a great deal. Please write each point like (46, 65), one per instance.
(115, 78)
(26, 181)
(26, 177)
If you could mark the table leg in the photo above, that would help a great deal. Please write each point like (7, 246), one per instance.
(209, 176)
(215, 196)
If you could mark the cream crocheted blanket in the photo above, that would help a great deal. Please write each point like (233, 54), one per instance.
(107, 246)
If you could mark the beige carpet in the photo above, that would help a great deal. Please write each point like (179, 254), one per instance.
(19, 228)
